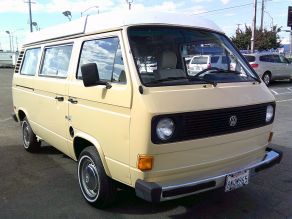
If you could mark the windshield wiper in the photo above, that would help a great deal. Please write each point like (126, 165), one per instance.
(192, 78)
(226, 71)
(165, 79)
(236, 72)
(219, 70)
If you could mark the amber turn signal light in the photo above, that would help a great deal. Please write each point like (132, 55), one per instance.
(270, 136)
(145, 162)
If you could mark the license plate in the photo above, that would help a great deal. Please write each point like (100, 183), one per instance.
(236, 180)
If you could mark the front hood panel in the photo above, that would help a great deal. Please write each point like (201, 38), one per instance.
(175, 99)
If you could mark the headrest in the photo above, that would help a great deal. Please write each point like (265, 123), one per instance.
(168, 60)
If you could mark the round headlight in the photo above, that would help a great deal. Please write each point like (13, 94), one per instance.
(269, 113)
(165, 129)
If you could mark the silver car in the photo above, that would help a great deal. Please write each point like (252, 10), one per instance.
(270, 66)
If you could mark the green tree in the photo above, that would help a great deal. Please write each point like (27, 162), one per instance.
(264, 40)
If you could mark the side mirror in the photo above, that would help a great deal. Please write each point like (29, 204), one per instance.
(90, 76)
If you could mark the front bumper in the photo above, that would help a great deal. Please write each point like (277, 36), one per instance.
(155, 192)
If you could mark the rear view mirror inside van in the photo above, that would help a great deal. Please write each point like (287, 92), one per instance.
(90, 76)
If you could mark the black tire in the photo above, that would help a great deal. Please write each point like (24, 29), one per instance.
(97, 188)
(29, 139)
(267, 78)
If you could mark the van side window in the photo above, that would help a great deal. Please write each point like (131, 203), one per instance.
(30, 62)
(107, 55)
(56, 61)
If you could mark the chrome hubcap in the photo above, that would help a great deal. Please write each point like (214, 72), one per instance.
(89, 178)
(267, 79)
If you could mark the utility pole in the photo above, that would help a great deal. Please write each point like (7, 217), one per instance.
(30, 17)
(262, 15)
(254, 24)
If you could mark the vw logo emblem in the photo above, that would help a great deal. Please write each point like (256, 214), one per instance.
(232, 121)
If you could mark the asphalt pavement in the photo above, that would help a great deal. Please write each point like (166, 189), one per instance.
(45, 185)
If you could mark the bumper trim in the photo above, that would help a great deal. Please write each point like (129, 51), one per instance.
(154, 192)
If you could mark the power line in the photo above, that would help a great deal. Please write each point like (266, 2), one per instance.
(227, 8)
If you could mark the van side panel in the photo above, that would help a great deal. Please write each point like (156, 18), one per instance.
(108, 123)
(105, 115)
(23, 93)
(49, 113)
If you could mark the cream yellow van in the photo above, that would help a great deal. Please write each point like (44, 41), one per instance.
(113, 93)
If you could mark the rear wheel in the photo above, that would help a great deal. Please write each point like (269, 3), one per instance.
(30, 142)
(267, 78)
(97, 188)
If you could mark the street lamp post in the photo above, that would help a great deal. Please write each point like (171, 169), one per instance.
(130, 3)
(8, 32)
(67, 14)
(90, 8)
(35, 24)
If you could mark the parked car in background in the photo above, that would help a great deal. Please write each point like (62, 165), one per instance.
(201, 62)
(147, 65)
(8, 59)
(270, 66)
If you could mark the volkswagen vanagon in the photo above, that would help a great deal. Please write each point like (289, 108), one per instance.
(165, 133)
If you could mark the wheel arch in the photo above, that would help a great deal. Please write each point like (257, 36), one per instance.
(268, 72)
(81, 141)
(21, 114)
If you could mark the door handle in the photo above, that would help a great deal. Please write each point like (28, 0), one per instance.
(71, 100)
(59, 98)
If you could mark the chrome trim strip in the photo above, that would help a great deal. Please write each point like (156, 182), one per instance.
(269, 157)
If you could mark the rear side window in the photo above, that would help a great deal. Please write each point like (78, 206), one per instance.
(30, 61)
(107, 55)
(276, 59)
(226, 60)
(266, 58)
(56, 61)
(250, 58)
(214, 59)
(199, 60)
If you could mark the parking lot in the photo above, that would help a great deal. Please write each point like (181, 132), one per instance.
(45, 185)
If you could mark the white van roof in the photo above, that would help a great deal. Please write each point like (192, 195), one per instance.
(110, 21)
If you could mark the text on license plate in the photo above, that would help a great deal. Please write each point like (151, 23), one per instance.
(236, 180)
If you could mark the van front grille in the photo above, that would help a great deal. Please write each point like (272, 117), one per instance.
(217, 122)
(202, 124)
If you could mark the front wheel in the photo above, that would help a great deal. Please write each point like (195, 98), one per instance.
(267, 78)
(30, 142)
(96, 187)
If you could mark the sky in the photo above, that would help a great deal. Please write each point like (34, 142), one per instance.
(228, 14)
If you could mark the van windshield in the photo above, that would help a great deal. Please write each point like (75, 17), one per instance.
(175, 55)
